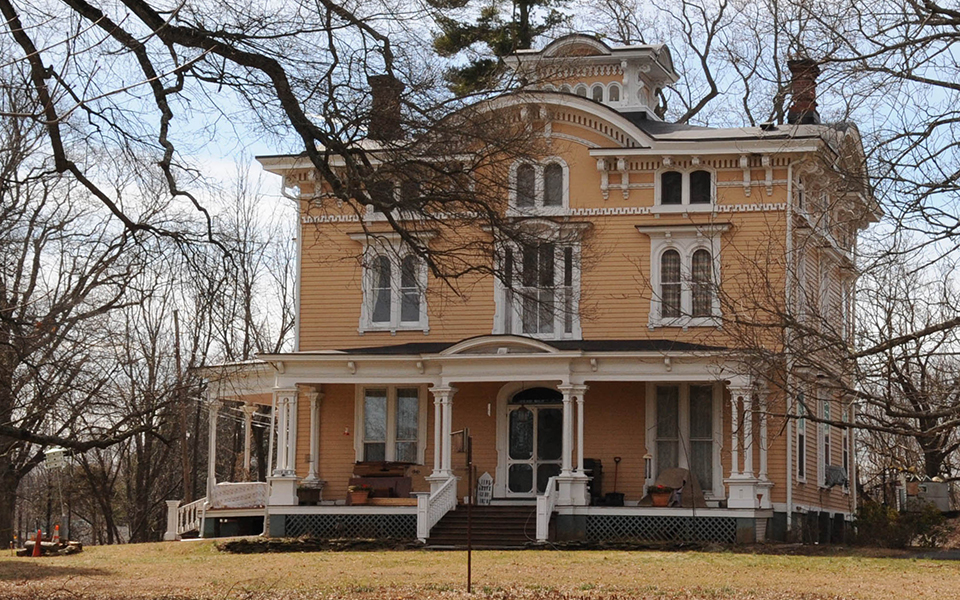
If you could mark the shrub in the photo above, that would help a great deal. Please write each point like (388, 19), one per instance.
(882, 526)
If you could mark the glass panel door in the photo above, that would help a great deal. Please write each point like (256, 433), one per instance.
(534, 448)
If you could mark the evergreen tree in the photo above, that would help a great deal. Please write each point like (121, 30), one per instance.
(501, 34)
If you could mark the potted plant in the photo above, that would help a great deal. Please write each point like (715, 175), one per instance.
(660, 495)
(358, 494)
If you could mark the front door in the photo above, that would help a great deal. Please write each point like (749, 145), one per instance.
(535, 441)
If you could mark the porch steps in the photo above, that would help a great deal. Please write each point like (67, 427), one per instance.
(493, 527)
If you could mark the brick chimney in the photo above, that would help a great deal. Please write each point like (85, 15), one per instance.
(385, 111)
(803, 89)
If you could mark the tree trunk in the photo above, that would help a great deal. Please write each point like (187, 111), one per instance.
(8, 502)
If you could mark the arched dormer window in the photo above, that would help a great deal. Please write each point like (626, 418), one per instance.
(565, 88)
(613, 94)
(597, 93)
(581, 90)
(540, 188)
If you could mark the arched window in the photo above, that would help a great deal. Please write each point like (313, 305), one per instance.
(614, 93)
(566, 89)
(409, 290)
(597, 93)
(549, 88)
(800, 193)
(671, 187)
(526, 186)
(670, 284)
(381, 289)
(700, 187)
(553, 185)
(581, 90)
(702, 271)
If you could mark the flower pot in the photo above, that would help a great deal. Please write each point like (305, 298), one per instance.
(358, 498)
(661, 498)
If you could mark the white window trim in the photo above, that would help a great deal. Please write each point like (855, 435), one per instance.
(801, 411)
(538, 209)
(391, 441)
(389, 245)
(684, 206)
(650, 437)
(562, 236)
(685, 239)
(823, 430)
(619, 87)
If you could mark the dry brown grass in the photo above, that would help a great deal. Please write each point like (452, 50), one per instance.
(196, 570)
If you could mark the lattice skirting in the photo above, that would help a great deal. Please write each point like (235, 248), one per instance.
(352, 526)
(653, 528)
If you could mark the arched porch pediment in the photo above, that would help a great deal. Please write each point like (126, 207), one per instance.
(499, 344)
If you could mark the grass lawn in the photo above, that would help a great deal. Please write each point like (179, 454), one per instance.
(196, 570)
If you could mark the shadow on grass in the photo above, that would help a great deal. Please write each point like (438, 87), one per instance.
(22, 571)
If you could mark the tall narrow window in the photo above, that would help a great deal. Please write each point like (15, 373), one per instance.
(526, 186)
(539, 288)
(408, 409)
(668, 427)
(597, 93)
(702, 271)
(409, 290)
(801, 438)
(375, 425)
(614, 93)
(701, 435)
(671, 187)
(568, 290)
(845, 451)
(670, 284)
(826, 433)
(553, 185)
(381, 289)
(700, 187)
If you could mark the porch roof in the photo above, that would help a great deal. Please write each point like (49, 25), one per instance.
(417, 348)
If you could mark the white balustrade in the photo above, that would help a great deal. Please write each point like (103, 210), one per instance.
(431, 508)
(249, 494)
(546, 503)
(190, 516)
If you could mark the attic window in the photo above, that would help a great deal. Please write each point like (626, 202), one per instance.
(581, 90)
(671, 188)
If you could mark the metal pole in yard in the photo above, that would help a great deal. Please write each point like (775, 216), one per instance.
(469, 442)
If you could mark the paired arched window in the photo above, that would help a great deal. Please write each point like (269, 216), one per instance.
(540, 186)
(677, 187)
(673, 291)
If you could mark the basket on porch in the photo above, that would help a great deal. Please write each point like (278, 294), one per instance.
(358, 494)
(660, 495)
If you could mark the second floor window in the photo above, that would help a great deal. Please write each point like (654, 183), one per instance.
(393, 292)
(694, 297)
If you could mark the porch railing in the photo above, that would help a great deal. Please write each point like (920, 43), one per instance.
(431, 508)
(251, 494)
(184, 519)
(546, 504)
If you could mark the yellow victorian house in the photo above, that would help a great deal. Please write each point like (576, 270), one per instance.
(586, 386)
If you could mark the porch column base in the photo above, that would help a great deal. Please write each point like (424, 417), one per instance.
(172, 521)
(766, 503)
(572, 490)
(283, 490)
(436, 481)
(742, 492)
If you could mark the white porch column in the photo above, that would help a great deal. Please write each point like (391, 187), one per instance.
(446, 405)
(437, 435)
(566, 463)
(742, 485)
(748, 435)
(283, 482)
(315, 397)
(762, 404)
(213, 408)
(292, 433)
(572, 486)
(248, 410)
(734, 432)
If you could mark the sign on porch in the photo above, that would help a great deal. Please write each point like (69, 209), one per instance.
(484, 489)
